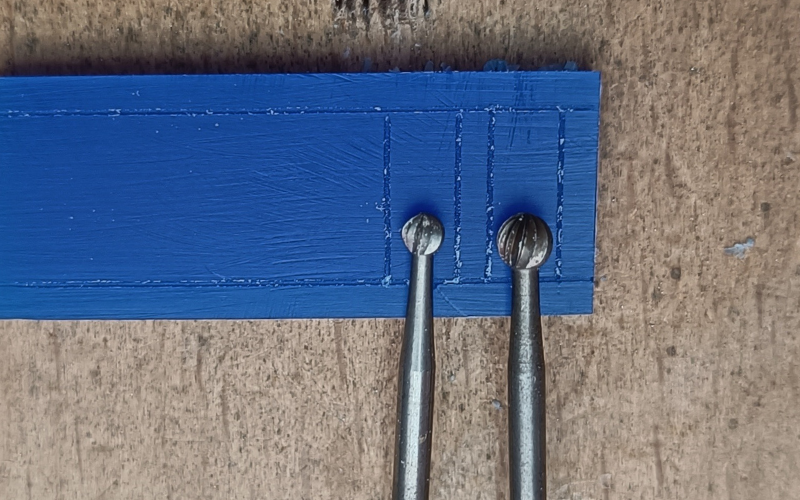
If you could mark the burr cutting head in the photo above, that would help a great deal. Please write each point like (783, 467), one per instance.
(524, 241)
(423, 234)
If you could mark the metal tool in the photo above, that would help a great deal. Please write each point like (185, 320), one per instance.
(423, 235)
(524, 242)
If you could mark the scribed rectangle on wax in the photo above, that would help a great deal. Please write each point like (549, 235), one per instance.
(282, 196)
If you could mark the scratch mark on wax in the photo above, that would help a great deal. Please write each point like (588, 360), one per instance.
(457, 200)
(487, 272)
(193, 113)
(560, 194)
(387, 201)
(448, 301)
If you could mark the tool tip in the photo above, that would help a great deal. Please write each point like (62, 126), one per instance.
(524, 241)
(423, 234)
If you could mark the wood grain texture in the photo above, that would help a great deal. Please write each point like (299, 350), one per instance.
(283, 196)
(684, 383)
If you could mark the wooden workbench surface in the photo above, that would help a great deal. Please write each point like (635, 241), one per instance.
(683, 384)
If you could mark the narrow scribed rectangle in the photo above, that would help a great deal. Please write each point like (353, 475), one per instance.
(524, 168)
(476, 213)
(200, 199)
(423, 163)
(580, 193)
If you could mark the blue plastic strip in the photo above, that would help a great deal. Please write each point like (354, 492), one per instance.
(282, 196)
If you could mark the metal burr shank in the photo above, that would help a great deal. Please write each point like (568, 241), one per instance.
(422, 235)
(524, 242)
